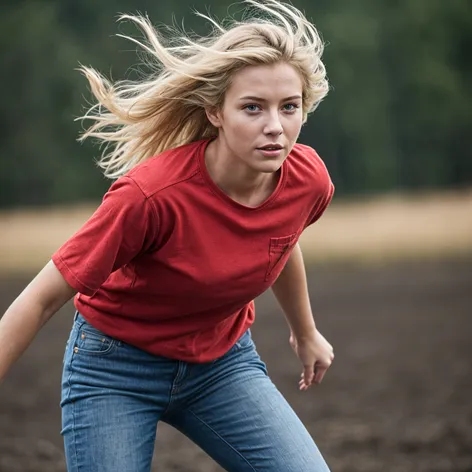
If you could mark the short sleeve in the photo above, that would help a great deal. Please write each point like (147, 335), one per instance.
(321, 204)
(123, 226)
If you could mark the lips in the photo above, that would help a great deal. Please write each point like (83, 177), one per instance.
(271, 147)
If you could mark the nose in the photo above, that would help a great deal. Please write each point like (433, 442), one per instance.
(273, 125)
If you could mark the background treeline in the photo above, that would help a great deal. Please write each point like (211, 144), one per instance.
(398, 116)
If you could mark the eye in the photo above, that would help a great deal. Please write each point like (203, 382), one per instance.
(252, 107)
(291, 107)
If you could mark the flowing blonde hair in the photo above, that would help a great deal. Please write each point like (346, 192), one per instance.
(139, 119)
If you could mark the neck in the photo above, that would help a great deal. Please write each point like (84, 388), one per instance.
(236, 179)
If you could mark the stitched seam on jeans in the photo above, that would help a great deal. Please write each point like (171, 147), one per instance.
(171, 392)
(73, 406)
(223, 439)
(75, 438)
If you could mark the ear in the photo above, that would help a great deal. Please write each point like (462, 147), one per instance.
(214, 116)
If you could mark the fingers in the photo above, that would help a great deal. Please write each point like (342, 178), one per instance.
(307, 381)
(302, 385)
(312, 376)
(307, 377)
(320, 372)
(321, 368)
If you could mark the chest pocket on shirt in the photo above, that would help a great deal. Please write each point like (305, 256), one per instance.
(279, 251)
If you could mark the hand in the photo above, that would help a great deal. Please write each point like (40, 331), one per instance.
(315, 354)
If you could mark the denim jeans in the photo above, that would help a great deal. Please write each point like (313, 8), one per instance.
(114, 395)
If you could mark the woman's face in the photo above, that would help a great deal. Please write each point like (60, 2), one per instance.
(261, 116)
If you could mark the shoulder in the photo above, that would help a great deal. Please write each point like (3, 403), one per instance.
(309, 174)
(166, 169)
(306, 166)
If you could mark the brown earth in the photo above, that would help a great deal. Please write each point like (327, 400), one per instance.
(398, 397)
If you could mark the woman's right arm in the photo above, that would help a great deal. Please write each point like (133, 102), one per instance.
(123, 226)
(41, 299)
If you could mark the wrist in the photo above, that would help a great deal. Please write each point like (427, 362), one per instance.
(308, 332)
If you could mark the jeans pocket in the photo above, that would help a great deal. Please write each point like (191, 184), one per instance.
(93, 342)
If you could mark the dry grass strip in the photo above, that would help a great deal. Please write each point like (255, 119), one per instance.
(375, 230)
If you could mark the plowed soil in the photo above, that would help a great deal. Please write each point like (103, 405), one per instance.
(398, 397)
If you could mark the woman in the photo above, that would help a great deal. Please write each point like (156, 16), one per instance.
(212, 194)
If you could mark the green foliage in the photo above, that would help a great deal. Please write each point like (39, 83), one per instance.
(397, 117)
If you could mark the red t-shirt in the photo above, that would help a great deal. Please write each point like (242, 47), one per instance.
(169, 263)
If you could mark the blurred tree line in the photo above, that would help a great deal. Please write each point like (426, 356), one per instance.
(398, 116)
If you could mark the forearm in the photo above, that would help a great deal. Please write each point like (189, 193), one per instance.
(29, 312)
(18, 327)
(291, 292)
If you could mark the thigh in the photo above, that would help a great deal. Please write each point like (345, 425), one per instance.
(241, 420)
(107, 434)
(110, 403)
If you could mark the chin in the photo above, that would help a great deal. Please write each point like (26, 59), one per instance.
(269, 167)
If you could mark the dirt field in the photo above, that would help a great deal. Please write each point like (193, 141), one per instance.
(397, 398)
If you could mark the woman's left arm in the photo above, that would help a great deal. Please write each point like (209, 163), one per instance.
(291, 292)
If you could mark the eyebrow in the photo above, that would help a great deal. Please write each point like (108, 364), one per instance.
(259, 99)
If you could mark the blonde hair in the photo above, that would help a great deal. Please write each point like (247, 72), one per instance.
(139, 119)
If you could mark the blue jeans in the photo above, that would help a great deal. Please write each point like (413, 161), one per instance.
(114, 395)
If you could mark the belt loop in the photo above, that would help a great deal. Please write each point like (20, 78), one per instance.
(76, 315)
